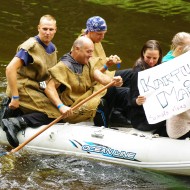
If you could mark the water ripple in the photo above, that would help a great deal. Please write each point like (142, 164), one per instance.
(164, 8)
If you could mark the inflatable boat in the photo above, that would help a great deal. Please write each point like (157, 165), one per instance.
(125, 146)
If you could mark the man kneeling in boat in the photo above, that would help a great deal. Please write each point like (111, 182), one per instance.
(75, 78)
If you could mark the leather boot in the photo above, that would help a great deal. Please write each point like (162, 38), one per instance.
(12, 126)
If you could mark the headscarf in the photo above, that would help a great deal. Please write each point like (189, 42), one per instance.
(95, 24)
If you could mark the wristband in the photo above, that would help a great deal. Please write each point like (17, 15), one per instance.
(118, 65)
(60, 105)
(15, 97)
(105, 67)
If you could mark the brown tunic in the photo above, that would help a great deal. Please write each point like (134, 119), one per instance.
(32, 98)
(78, 87)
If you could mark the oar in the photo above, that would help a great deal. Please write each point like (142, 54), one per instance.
(56, 120)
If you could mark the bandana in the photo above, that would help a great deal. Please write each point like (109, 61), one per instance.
(96, 24)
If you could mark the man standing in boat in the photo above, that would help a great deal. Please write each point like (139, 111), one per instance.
(27, 75)
(74, 79)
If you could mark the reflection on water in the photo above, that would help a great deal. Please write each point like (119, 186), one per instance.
(164, 7)
(130, 24)
(38, 171)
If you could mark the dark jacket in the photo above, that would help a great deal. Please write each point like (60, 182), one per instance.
(138, 117)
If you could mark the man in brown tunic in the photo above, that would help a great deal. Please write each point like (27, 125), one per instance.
(96, 29)
(27, 74)
(74, 78)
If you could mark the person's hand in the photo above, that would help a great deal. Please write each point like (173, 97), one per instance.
(118, 81)
(14, 104)
(140, 100)
(66, 111)
(113, 60)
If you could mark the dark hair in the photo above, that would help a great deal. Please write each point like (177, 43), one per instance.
(153, 45)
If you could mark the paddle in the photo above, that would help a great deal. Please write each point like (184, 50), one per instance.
(56, 120)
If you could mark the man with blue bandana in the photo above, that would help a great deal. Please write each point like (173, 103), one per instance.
(96, 24)
(96, 29)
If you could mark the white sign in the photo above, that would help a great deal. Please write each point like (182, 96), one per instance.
(167, 88)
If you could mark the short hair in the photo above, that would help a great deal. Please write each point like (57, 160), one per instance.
(78, 43)
(81, 41)
(48, 17)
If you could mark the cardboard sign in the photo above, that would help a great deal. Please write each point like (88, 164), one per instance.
(167, 88)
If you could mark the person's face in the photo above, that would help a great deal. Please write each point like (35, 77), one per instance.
(151, 57)
(85, 53)
(47, 30)
(97, 37)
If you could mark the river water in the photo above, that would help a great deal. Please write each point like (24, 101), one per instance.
(130, 24)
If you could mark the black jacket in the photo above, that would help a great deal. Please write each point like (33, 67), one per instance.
(138, 117)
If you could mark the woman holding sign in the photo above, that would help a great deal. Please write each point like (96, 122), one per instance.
(151, 55)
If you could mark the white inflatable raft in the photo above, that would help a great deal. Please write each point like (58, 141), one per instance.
(123, 146)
